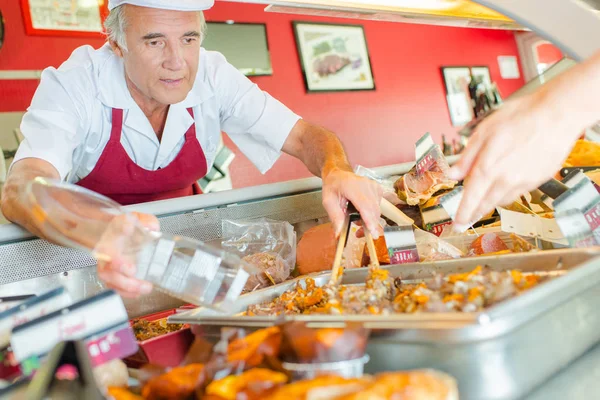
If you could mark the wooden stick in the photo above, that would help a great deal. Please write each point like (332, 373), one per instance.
(393, 213)
(337, 270)
(372, 250)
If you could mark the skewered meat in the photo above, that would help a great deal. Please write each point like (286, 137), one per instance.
(177, 384)
(273, 270)
(254, 384)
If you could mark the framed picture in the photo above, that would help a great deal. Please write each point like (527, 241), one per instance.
(483, 74)
(79, 18)
(333, 57)
(456, 81)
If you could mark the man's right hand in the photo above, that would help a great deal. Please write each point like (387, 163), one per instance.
(116, 253)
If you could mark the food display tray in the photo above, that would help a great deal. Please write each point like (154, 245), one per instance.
(166, 350)
(503, 352)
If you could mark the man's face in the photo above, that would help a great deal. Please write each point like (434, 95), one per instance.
(162, 56)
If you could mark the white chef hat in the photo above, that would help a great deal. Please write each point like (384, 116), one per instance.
(177, 5)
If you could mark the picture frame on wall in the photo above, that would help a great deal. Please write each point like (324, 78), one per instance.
(456, 82)
(483, 73)
(75, 18)
(333, 57)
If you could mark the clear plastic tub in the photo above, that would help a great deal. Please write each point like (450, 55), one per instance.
(179, 266)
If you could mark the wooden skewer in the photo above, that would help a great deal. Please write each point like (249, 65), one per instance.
(372, 250)
(337, 270)
(392, 212)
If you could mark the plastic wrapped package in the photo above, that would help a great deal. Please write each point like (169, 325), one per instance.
(267, 244)
(432, 248)
(182, 267)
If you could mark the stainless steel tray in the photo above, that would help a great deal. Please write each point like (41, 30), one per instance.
(501, 353)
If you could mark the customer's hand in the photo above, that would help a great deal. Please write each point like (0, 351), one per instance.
(514, 150)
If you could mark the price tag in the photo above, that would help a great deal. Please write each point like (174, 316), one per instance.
(530, 225)
(30, 309)
(75, 322)
(119, 342)
(6, 303)
(401, 244)
(576, 228)
(424, 157)
(451, 201)
(583, 197)
(435, 217)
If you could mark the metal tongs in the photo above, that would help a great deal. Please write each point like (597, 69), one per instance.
(337, 271)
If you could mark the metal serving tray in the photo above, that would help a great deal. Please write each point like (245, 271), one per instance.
(501, 353)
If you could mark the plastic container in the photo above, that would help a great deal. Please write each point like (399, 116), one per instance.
(181, 267)
(346, 369)
(167, 350)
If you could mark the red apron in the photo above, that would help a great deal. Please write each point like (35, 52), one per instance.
(116, 176)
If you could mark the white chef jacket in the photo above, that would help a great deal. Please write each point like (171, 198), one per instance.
(69, 121)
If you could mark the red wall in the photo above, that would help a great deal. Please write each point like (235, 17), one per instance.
(377, 127)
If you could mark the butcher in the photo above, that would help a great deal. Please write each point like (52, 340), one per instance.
(139, 119)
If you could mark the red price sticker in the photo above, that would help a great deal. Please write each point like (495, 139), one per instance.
(399, 256)
(119, 344)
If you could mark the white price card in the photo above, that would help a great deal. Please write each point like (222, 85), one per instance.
(75, 322)
(530, 225)
(31, 309)
(401, 244)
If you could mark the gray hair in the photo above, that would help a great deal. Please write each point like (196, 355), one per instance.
(116, 23)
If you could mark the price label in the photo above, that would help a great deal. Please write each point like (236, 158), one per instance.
(31, 309)
(582, 197)
(6, 303)
(401, 244)
(576, 228)
(423, 154)
(75, 322)
(119, 343)
(425, 164)
(438, 229)
(451, 201)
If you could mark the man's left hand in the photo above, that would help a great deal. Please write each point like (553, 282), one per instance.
(341, 187)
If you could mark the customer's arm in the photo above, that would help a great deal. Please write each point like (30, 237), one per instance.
(524, 143)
